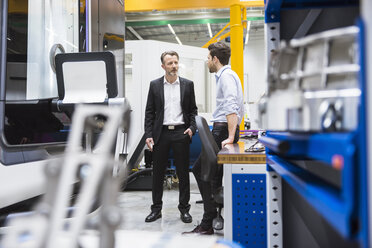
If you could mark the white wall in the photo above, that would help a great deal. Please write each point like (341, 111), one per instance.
(255, 78)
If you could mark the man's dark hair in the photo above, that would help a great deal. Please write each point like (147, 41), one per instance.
(221, 51)
(171, 53)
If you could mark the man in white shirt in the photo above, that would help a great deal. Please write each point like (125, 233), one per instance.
(170, 124)
(226, 119)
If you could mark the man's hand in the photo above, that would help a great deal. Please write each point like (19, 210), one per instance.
(227, 141)
(189, 132)
(150, 143)
(232, 122)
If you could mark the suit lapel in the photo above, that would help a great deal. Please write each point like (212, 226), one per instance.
(161, 90)
(182, 88)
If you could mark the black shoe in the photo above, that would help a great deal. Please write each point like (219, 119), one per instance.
(154, 215)
(201, 231)
(186, 217)
(217, 223)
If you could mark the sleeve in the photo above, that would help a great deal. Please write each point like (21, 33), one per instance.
(230, 91)
(149, 112)
(193, 109)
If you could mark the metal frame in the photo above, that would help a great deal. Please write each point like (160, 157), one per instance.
(350, 202)
(366, 5)
(274, 209)
(3, 47)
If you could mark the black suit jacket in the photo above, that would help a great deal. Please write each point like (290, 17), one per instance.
(154, 115)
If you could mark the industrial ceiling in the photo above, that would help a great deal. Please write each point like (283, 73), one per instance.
(190, 26)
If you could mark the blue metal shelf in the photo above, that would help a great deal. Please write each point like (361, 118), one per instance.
(320, 146)
(334, 149)
(336, 206)
(345, 205)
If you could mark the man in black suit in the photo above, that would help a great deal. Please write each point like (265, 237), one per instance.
(170, 123)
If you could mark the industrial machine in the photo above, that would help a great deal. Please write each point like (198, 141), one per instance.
(318, 77)
(34, 124)
(316, 116)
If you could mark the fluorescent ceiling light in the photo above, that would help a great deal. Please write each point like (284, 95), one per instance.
(171, 29)
(210, 30)
(247, 35)
(135, 33)
(178, 40)
(174, 33)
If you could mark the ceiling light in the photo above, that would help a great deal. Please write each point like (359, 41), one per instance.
(178, 40)
(174, 33)
(134, 32)
(247, 35)
(209, 29)
(171, 29)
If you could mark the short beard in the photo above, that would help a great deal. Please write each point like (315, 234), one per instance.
(171, 73)
(212, 69)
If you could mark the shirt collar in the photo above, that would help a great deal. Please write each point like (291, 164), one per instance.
(218, 74)
(176, 82)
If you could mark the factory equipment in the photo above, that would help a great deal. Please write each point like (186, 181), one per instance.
(316, 117)
(46, 226)
(313, 83)
(33, 126)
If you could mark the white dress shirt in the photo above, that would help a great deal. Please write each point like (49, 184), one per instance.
(229, 95)
(172, 103)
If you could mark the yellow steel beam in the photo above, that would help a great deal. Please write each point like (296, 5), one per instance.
(236, 30)
(150, 5)
(216, 38)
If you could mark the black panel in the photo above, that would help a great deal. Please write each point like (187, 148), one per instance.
(304, 227)
(329, 18)
(320, 169)
(33, 122)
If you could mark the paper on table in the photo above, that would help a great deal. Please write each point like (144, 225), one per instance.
(84, 82)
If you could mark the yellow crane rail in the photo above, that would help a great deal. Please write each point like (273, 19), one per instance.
(151, 5)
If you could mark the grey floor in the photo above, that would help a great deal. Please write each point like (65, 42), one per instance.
(136, 206)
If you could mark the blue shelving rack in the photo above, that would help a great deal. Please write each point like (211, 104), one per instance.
(342, 201)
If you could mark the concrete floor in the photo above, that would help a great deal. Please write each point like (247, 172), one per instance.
(164, 232)
(136, 206)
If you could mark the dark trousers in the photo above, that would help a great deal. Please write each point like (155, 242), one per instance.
(220, 133)
(180, 144)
